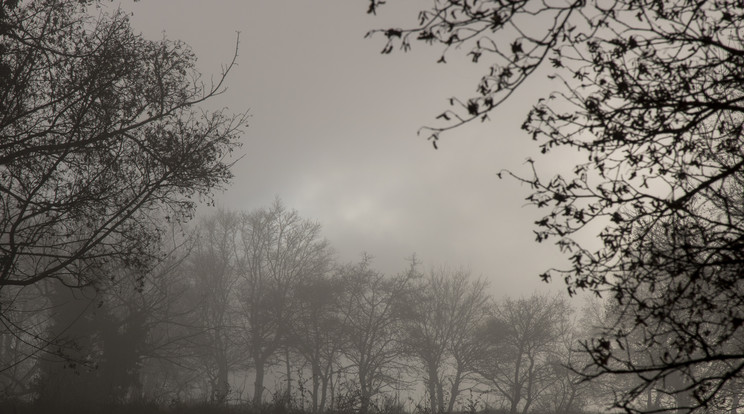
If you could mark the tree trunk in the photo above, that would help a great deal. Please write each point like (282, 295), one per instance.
(432, 387)
(649, 400)
(735, 403)
(440, 396)
(517, 388)
(454, 390)
(323, 393)
(316, 385)
(683, 398)
(332, 390)
(289, 374)
(222, 388)
(258, 385)
(364, 390)
(530, 386)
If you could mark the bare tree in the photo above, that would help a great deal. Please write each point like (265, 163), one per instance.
(100, 138)
(441, 317)
(371, 328)
(567, 391)
(522, 335)
(83, 345)
(213, 265)
(650, 95)
(316, 333)
(170, 310)
(279, 249)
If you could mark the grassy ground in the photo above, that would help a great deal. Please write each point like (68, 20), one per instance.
(150, 408)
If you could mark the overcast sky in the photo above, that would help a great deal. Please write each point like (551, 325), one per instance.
(333, 134)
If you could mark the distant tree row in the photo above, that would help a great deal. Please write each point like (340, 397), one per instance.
(103, 149)
(243, 297)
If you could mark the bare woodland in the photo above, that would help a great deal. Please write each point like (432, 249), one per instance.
(113, 295)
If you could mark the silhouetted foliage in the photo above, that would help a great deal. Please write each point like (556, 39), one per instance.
(95, 350)
(651, 96)
(99, 136)
(101, 144)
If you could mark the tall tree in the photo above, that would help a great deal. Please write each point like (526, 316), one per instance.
(22, 335)
(522, 336)
(166, 303)
(97, 341)
(316, 333)
(567, 392)
(371, 328)
(441, 317)
(278, 249)
(213, 263)
(651, 96)
(100, 135)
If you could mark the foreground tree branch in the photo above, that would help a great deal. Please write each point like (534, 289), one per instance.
(100, 134)
(651, 96)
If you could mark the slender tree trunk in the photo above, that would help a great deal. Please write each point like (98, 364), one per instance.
(326, 381)
(569, 404)
(332, 386)
(316, 385)
(289, 374)
(683, 398)
(649, 399)
(323, 393)
(258, 385)
(222, 388)
(517, 389)
(364, 389)
(364, 406)
(530, 386)
(735, 403)
(454, 390)
(432, 386)
(440, 396)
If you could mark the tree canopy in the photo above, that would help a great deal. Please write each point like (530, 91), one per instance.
(101, 138)
(650, 93)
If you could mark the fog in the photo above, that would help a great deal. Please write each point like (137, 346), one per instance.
(333, 133)
(241, 207)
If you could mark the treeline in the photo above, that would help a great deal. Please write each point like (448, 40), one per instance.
(251, 308)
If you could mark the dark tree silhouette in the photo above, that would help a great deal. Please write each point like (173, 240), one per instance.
(213, 265)
(279, 250)
(441, 316)
(522, 338)
(651, 95)
(99, 137)
(316, 334)
(97, 351)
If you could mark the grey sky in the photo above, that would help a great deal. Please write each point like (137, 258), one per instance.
(333, 133)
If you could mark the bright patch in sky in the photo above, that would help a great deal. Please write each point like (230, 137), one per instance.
(333, 134)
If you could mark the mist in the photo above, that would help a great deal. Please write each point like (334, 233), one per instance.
(421, 207)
